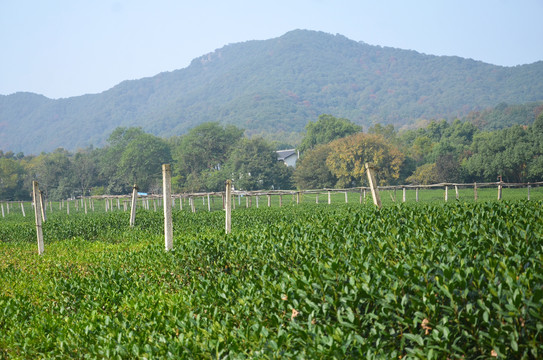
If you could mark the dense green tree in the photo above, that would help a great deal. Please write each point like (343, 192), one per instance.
(424, 175)
(11, 178)
(326, 129)
(85, 170)
(53, 172)
(253, 165)
(503, 153)
(202, 152)
(311, 170)
(110, 159)
(141, 162)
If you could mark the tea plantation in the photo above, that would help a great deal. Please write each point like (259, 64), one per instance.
(430, 281)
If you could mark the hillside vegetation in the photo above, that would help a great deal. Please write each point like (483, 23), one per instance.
(273, 88)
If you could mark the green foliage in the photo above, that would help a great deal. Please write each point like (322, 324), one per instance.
(253, 165)
(311, 170)
(434, 281)
(276, 86)
(349, 155)
(425, 174)
(204, 148)
(326, 129)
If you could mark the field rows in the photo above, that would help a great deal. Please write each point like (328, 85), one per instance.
(434, 281)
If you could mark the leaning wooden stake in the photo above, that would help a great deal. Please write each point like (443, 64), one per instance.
(37, 216)
(133, 205)
(167, 200)
(24, 214)
(373, 185)
(228, 206)
(42, 207)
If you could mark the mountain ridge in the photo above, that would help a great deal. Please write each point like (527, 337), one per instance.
(272, 86)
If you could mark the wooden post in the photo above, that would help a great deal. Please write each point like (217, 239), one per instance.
(373, 185)
(85, 205)
(246, 201)
(500, 191)
(257, 201)
(403, 195)
(329, 198)
(192, 205)
(346, 198)
(37, 216)
(24, 214)
(3, 215)
(529, 187)
(456, 192)
(475, 191)
(269, 200)
(154, 203)
(360, 200)
(68, 207)
(208, 203)
(446, 193)
(181, 203)
(228, 206)
(133, 205)
(417, 194)
(167, 201)
(280, 200)
(316, 198)
(297, 198)
(42, 207)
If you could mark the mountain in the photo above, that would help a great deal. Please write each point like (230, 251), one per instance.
(273, 87)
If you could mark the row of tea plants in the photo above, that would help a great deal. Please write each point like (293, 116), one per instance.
(434, 281)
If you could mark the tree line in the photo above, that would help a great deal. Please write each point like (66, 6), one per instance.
(333, 152)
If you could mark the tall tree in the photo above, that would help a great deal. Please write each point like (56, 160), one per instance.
(326, 129)
(348, 157)
(253, 165)
(142, 159)
(11, 178)
(311, 170)
(204, 149)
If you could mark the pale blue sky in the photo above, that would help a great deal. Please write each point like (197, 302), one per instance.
(63, 48)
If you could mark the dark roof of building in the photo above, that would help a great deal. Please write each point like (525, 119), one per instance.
(283, 154)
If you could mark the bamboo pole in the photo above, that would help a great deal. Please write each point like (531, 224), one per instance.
(167, 196)
(133, 205)
(37, 216)
(373, 185)
(228, 206)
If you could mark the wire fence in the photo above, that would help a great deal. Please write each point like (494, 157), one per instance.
(214, 201)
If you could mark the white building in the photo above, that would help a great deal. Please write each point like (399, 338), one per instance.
(289, 157)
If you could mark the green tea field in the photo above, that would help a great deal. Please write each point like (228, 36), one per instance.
(435, 280)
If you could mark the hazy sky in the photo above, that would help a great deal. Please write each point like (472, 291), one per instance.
(63, 48)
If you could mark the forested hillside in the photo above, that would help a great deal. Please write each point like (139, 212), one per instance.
(273, 88)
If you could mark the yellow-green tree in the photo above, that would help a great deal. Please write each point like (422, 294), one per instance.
(349, 154)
